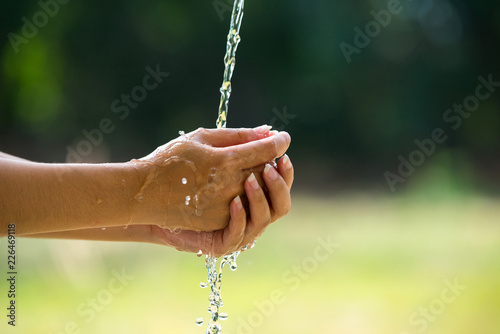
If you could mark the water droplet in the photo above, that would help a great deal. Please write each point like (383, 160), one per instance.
(233, 266)
(99, 201)
(203, 285)
(125, 227)
(200, 253)
(198, 211)
(184, 180)
(181, 133)
(188, 199)
(214, 328)
(139, 197)
(223, 316)
(199, 321)
(103, 228)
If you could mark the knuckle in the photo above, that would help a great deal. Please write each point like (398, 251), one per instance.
(242, 136)
(274, 149)
(286, 208)
(267, 222)
(282, 210)
(201, 131)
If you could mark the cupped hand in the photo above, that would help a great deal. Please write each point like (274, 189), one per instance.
(245, 225)
(190, 184)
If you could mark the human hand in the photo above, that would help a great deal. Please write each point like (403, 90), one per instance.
(189, 183)
(245, 226)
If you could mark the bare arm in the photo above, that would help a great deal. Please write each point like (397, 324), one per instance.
(244, 227)
(42, 198)
(76, 201)
(133, 233)
(10, 157)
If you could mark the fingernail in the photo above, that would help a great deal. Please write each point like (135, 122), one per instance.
(263, 129)
(237, 201)
(286, 162)
(271, 172)
(253, 182)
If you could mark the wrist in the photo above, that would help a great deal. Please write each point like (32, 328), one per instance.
(146, 194)
(132, 178)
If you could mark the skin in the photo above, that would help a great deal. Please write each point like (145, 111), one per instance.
(236, 190)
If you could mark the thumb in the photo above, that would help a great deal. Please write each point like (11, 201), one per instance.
(231, 137)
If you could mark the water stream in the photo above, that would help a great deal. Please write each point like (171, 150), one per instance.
(233, 39)
(214, 274)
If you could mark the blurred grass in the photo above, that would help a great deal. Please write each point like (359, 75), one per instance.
(394, 256)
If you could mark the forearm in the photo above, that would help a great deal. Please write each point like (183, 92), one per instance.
(43, 198)
(10, 157)
(134, 233)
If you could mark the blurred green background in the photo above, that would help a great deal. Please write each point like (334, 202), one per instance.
(350, 123)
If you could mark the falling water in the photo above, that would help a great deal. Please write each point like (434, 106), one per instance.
(214, 276)
(233, 39)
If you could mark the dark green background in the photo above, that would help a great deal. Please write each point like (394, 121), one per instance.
(351, 123)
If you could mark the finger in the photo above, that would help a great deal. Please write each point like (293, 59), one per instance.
(230, 239)
(259, 152)
(285, 168)
(231, 137)
(260, 213)
(279, 193)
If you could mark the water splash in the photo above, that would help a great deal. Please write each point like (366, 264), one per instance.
(214, 278)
